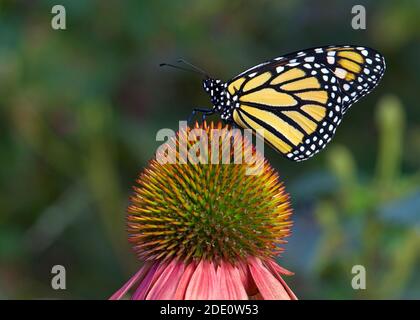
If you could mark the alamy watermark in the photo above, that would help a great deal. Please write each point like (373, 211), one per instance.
(358, 282)
(58, 21)
(58, 281)
(358, 22)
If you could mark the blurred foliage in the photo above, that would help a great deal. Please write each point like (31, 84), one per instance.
(80, 108)
(360, 221)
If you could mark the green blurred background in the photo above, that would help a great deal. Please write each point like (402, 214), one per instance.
(80, 108)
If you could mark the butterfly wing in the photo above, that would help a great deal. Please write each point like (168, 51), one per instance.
(300, 99)
(358, 69)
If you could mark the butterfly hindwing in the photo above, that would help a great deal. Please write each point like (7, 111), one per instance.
(299, 99)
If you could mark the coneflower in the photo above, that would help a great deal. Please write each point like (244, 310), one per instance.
(208, 230)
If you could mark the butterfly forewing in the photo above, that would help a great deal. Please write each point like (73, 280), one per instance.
(299, 99)
(358, 69)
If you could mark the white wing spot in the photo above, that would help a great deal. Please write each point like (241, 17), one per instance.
(341, 73)
(279, 69)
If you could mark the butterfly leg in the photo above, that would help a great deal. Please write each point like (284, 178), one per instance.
(204, 112)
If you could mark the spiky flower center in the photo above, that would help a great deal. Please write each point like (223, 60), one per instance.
(212, 211)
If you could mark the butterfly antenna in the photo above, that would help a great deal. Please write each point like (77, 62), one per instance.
(193, 67)
(178, 67)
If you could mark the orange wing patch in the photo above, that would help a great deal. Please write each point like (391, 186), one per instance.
(350, 65)
(238, 120)
(257, 81)
(235, 85)
(320, 96)
(274, 121)
(304, 122)
(278, 143)
(350, 62)
(269, 97)
(351, 55)
(288, 75)
(315, 111)
(305, 83)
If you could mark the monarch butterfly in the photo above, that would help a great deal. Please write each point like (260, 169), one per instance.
(298, 99)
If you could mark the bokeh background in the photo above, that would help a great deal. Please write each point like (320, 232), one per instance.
(80, 108)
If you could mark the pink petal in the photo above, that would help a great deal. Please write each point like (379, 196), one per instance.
(165, 286)
(289, 291)
(137, 277)
(278, 268)
(277, 271)
(184, 281)
(202, 283)
(246, 278)
(221, 288)
(258, 296)
(269, 287)
(148, 281)
(233, 286)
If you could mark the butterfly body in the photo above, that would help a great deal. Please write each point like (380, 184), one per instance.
(298, 100)
(222, 101)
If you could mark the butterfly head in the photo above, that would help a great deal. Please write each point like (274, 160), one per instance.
(217, 90)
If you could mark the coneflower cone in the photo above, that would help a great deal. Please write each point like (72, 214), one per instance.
(209, 230)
